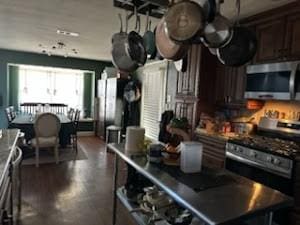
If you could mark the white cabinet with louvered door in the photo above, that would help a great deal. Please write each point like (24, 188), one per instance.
(154, 77)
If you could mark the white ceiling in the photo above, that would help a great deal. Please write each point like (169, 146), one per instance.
(24, 24)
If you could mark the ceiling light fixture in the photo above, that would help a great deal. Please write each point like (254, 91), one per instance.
(67, 33)
(59, 48)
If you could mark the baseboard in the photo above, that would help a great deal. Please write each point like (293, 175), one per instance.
(85, 133)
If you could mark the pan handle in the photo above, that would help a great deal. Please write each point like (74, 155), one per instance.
(121, 22)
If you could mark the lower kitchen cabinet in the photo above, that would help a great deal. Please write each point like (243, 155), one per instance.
(213, 150)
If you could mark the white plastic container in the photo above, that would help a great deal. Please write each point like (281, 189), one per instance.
(191, 157)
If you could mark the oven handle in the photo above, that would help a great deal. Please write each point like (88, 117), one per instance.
(232, 156)
(246, 161)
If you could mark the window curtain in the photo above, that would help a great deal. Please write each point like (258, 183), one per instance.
(13, 72)
(87, 94)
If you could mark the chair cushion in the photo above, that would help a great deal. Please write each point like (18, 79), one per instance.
(45, 142)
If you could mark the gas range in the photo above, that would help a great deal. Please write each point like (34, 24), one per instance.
(274, 146)
(271, 154)
(271, 158)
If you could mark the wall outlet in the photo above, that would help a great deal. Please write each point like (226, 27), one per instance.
(169, 98)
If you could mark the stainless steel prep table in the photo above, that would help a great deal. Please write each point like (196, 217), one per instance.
(220, 204)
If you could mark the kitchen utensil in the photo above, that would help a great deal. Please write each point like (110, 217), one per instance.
(181, 65)
(149, 40)
(135, 44)
(184, 20)
(218, 33)
(120, 58)
(241, 48)
(209, 9)
(167, 48)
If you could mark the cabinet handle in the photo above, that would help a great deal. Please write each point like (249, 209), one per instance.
(266, 96)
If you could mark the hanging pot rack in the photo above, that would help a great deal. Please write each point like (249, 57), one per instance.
(156, 8)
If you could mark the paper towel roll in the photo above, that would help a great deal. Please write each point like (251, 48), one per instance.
(134, 140)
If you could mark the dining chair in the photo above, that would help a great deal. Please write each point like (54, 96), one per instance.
(75, 123)
(70, 114)
(13, 112)
(8, 114)
(46, 128)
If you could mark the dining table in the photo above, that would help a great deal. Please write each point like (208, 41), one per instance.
(25, 122)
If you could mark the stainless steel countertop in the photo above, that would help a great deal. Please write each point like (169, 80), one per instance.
(7, 141)
(222, 204)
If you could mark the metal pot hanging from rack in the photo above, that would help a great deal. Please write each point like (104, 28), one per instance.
(219, 32)
(120, 58)
(135, 43)
(183, 20)
(242, 46)
(149, 39)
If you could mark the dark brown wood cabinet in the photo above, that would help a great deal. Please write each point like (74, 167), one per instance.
(270, 36)
(230, 85)
(195, 87)
(213, 150)
(292, 41)
(187, 82)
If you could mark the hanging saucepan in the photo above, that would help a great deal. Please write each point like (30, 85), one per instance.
(240, 50)
(184, 20)
(209, 9)
(166, 47)
(120, 58)
(219, 32)
(149, 40)
(157, 55)
(242, 46)
(135, 44)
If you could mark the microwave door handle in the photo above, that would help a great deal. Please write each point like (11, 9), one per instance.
(266, 96)
(293, 80)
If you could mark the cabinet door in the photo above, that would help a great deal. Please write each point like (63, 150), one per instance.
(230, 84)
(187, 82)
(292, 42)
(270, 36)
(187, 109)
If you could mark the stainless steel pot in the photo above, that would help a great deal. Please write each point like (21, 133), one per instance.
(119, 51)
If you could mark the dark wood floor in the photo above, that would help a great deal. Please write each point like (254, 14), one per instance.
(75, 192)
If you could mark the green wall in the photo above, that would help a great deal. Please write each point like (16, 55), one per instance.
(16, 57)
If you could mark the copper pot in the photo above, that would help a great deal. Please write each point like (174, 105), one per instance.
(166, 47)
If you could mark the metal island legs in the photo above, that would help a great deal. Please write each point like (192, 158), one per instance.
(116, 173)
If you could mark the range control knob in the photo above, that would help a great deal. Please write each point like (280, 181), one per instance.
(253, 154)
(240, 149)
(269, 159)
(232, 147)
(276, 161)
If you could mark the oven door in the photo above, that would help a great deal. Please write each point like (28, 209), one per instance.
(266, 178)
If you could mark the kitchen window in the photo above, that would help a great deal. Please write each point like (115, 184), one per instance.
(49, 85)
(37, 84)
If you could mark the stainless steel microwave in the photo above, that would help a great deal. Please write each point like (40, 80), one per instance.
(280, 81)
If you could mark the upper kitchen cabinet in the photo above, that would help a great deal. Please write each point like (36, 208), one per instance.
(278, 34)
(187, 82)
(292, 42)
(270, 36)
(230, 85)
